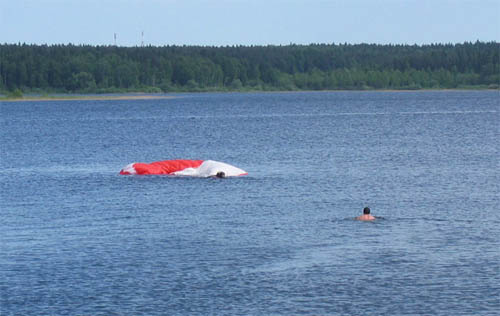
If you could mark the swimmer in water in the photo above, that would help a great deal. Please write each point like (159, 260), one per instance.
(220, 174)
(366, 215)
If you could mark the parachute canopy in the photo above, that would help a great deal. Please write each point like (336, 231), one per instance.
(183, 167)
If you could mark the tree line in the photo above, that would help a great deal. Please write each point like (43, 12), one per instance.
(99, 69)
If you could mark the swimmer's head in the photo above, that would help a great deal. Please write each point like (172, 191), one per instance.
(220, 174)
(366, 210)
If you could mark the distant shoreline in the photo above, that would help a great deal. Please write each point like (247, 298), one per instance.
(125, 97)
(88, 97)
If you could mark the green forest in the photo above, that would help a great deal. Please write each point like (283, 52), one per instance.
(107, 69)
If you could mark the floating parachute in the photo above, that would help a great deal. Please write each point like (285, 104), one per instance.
(184, 167)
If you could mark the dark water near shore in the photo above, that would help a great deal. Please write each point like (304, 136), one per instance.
(78, 239)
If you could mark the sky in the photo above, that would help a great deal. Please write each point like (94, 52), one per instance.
(248, 22)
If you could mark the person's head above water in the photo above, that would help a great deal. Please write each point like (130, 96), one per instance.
(220, 174)
(366, 215)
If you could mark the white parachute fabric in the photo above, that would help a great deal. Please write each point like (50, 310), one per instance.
(210, 168)
(128, 169)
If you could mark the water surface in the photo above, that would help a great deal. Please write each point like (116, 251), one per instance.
(76, 238)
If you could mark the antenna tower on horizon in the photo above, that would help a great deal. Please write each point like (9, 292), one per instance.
(115, 39)
(142, 39)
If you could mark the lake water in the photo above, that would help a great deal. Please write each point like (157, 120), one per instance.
(76, 238)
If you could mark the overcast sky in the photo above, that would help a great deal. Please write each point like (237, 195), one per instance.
(248, 22)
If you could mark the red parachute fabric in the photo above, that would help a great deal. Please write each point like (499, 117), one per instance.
(163, 167)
